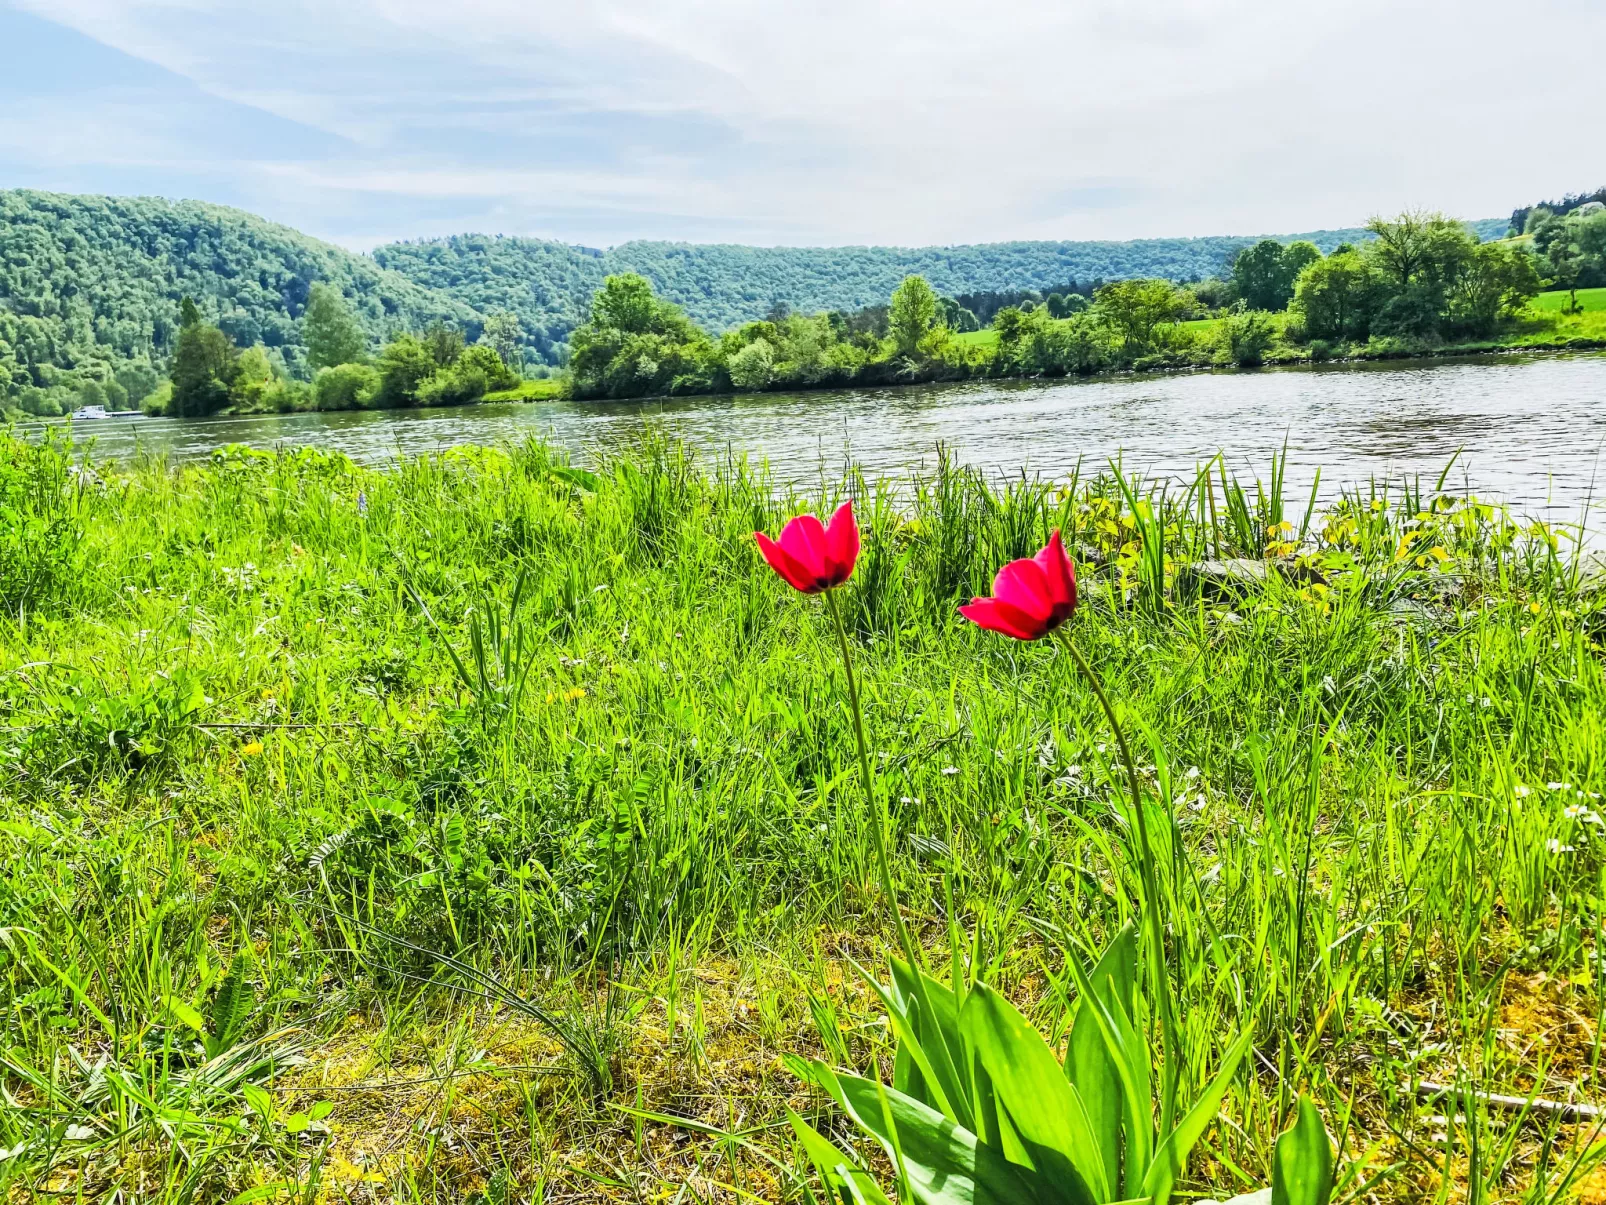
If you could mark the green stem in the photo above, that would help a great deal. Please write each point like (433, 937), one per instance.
(877, 810)
(1151, 889)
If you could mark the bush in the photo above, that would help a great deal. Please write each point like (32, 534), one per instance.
(753, 367)
(476, 372)
(346, 387)
(1244, 339)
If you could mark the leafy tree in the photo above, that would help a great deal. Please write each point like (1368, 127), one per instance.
(188, 314)
(330, 332)
(753, 367)
(1337, 297)
(253, 378)
(345, 387)
(90, 393)
(404, 363)
(1496, 281)
(635, 345)
(1263, 275)
(503, 335)
(1136, 309)
(139, 381)
(478, 371)
(912, 314)
(203, 369)
(445, 343)
(1245, 338)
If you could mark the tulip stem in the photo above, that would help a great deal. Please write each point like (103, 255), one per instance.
(1151, 889)
(877, 809)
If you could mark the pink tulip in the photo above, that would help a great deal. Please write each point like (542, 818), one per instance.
(811, 557)
(1030, 597)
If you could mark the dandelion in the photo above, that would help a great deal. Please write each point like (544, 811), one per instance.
(251, 750)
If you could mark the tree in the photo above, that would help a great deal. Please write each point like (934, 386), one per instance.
(445, 343)
(625, 304)
(1419, 248)
(345, 387)
(330, 331)
(188, 315)
(753, 367)
(202, 370)
(404, 363)
(1495, 282)
(1337, 297)
(1264, 274)
(1135, 310)
(912, 314)
(504, 336)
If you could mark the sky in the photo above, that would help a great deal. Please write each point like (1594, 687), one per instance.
(907, 122)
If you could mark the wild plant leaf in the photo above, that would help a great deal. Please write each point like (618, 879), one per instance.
(187, 1015)
(1088, 1064)
(945, 1163)
(1040, 1103)
(1302, 1161)
(938, 1033)
(231, 1007)
(837, 1171)
(1130, 1056)
(1172, 1154)
(903, 1014)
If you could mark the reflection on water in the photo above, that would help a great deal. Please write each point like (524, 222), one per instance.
(1527, 429)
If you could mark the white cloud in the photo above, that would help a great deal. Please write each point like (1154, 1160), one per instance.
(889, 120)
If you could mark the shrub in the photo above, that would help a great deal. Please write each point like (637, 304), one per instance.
(753, 367)
(346, 387)
(1244, 339)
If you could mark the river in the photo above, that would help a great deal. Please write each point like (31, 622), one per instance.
(1528, 430)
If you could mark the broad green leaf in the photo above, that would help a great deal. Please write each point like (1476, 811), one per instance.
(836, 1170)
(939, 1035)
(260, 1102)
(1302, 1161)
(1031, 1087)
(1130, 1055)
(231, 1007)
(923, 1074)
(1088, 1064)
(1173, 1152)
(944, 1162)
(186, 1015)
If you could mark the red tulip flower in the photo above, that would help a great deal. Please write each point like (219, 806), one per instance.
(811, 557)
(1030, 597)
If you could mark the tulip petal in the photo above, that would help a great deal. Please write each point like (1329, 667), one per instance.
(805, 542)
(1059, 573)
(842, 536)
(998, 616)
(1023, 584)
(785, 565)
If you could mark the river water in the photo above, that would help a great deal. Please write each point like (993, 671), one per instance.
(1528, 430)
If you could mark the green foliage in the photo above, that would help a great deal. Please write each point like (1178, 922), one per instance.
(1338, 297)
(346, 387)
(912, 314)
(1244, 339)
(1137, 311)
(404, 364)
(40, 535)
(203, 371)
(329, 330)
(1263, 275)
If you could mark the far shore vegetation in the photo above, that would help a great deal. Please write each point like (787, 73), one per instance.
(1420, 284)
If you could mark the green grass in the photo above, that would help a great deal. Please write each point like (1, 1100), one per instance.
(1592, 301)
(549, 389)
(511, 799)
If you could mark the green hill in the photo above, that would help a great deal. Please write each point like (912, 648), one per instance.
(90, 285)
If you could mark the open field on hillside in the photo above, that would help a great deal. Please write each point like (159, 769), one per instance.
(444, 833)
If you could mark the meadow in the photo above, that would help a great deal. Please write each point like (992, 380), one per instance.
(487, 828)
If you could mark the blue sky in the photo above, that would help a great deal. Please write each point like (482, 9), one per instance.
(871, 121)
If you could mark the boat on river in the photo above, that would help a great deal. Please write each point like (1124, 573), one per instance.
(86, 413)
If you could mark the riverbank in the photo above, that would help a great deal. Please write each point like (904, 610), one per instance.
(349, 748)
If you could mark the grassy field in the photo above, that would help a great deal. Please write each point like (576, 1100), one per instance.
(435, 834)
(1591, 301)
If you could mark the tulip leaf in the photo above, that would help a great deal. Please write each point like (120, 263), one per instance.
(945, 1163)
(1130, 1056)
(937, 1032)
(1088, 1064)
(1173, 1152)
(922, 1075)
(1039, 1102)
(1302, 1161)
(845, 1178)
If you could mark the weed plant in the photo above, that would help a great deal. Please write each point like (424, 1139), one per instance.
(441, 831)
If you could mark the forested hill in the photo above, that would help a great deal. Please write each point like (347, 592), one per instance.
(720, 285)
(88, 283)
(90, 286)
